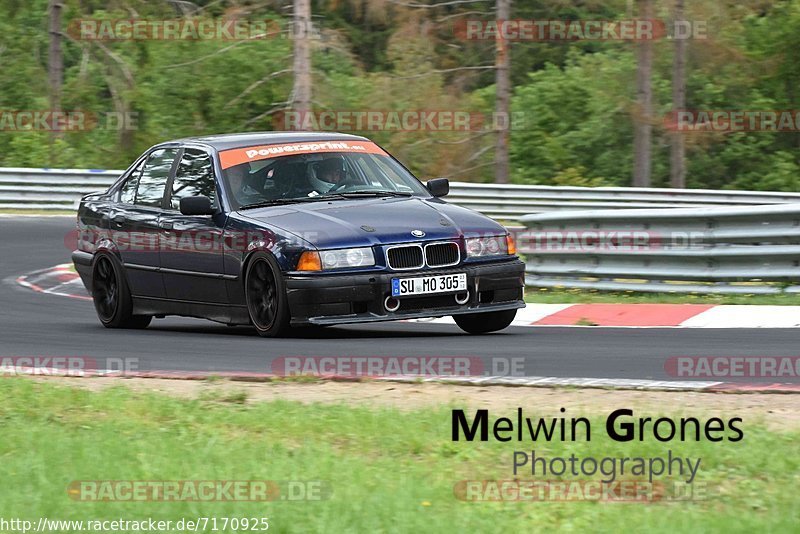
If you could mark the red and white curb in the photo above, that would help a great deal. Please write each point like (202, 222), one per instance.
(529, 381)
(654, 316)
(61, 280)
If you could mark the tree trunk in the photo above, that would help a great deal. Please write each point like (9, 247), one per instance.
(55, 63)
(642, 115)
(502, 119)
(301, 92)
(677, 157)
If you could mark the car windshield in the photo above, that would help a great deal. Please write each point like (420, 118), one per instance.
(316, 177)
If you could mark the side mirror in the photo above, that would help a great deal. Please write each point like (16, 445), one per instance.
(438, 187)
(199, 205)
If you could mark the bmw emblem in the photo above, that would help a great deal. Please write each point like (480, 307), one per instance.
(417, 233)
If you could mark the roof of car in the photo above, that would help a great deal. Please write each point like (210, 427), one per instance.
(241, 140)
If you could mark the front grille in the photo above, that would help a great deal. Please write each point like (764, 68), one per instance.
(442, 254)
(408, 257)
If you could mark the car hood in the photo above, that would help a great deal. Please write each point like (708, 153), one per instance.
(367, 222)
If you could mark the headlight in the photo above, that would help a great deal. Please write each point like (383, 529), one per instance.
(479, 247)
(347, 257)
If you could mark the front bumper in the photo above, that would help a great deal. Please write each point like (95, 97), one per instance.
(83, 265)
(359, 298)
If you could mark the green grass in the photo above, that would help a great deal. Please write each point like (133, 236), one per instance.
(586, 296)
(390, 471)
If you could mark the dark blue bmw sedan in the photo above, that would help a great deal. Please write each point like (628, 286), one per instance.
(280, 229)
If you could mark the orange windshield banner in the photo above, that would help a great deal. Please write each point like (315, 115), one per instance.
(237, 156)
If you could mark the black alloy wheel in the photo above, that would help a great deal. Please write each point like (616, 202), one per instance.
(266, 296)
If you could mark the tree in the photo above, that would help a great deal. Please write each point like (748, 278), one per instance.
(502, 96)
(301, 92)
(55, 63)
(677, 160)
(643, 110)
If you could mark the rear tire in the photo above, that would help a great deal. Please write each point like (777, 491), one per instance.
(112, 297)
(265, 292)
(483, 323)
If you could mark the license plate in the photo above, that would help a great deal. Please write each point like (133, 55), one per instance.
(441, 283)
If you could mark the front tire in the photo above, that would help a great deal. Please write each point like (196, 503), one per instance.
(112, 297)
(265, 293)
(483, 323)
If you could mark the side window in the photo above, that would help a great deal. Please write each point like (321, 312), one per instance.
(154, 177)
(128, 192)
(195, 176)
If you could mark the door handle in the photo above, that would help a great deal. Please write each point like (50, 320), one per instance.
(165, 226)
(118, 220)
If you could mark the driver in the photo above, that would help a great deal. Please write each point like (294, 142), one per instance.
(332, 171)
(243, 192)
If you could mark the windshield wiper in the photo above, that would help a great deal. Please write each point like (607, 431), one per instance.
(276, 202)
(328, 196)
(375, 194)
(325, 196)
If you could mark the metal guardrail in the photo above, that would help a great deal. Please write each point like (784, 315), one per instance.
(50, 189)
(579, 237)
(60, 189)
(511, 202)
(746, 250)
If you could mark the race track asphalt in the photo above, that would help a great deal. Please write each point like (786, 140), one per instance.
(34, 324)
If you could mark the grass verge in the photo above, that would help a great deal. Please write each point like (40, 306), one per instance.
(389, 470)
